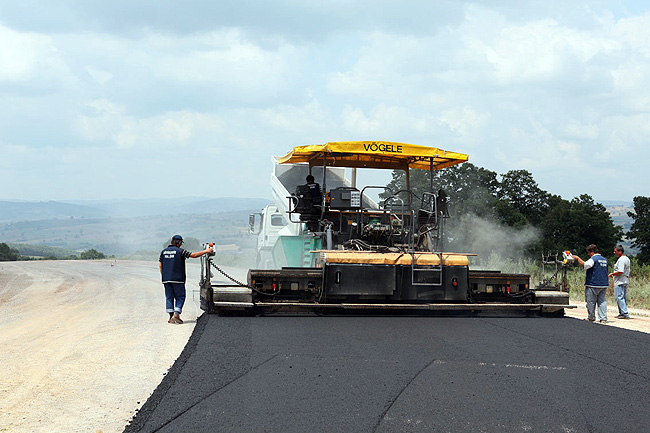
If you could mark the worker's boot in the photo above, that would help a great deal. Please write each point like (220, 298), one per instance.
(171, 318)
(177, 318)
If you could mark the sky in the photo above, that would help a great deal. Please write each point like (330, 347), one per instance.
(155, 99)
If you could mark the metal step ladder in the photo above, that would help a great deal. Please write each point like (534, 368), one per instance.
(426, 275)
(427, 214)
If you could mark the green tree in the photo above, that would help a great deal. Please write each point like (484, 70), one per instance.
(92, 254)
(8, 254)
(518, 202)
(476, 211)
(471, 189)
(640, 229)
(510, 216)
(598, 226)
(556, 226)
(576, 224)
(521, 192)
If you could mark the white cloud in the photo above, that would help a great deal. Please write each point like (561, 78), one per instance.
(633, 32)
(464, 121)
(225, 57)
(536, 50)
(101, 77)
(629, 133)
(11, 153)
(581, 131)
(27, 56)
(631, 81)
(549, 87)
(354, 119)
(388, 122)
(107, 117)
(537, 149)
(111, 124)
(19, 54)
(306, 120)
(354, 82)
(389, 67)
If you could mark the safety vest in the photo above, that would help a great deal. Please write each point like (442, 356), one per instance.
(597, 275)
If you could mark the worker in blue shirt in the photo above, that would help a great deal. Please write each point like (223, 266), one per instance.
(172, 269)
(596, 283)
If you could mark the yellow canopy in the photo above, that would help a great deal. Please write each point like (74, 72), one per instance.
(374, 154)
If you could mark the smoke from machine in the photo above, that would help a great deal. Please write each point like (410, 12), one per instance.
(490, 240)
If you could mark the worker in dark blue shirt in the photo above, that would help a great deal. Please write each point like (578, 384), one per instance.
(172, 269)
(314, 190)
(596, 283)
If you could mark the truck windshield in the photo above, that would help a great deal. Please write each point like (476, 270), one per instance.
(278, 220)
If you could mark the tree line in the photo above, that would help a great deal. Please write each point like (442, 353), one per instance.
(514, 201)
(8, 254)
(640, 230)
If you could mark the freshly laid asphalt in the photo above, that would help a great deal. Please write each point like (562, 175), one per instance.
(403, 374)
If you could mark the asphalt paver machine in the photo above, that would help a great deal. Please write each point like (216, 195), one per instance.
(344, 251)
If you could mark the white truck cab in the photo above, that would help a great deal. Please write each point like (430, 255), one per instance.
(272, 220)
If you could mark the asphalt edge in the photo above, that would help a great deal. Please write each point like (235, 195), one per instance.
(139, 420)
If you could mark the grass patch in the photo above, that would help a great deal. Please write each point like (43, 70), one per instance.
(638, 291)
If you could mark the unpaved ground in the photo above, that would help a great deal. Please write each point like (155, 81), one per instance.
(639, 319)
(85, 343)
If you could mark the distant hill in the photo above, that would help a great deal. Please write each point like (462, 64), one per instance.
(32, 211)
(616, 203)
(13, 211)
(123, 227)
(618, 211)
(42, 250)
(123, 236)
(128, 208)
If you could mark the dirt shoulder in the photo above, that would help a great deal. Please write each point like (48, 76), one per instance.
(85, 343)
(639, 319)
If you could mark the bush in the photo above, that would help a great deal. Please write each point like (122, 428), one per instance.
(92, 254)
(8, 254)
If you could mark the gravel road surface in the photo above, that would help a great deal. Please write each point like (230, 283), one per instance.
(84, 343)
(406, 374)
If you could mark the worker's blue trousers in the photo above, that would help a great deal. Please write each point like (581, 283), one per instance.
(175, 297)
(620, 291)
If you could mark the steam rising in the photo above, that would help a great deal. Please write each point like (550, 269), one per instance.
(490, 241)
